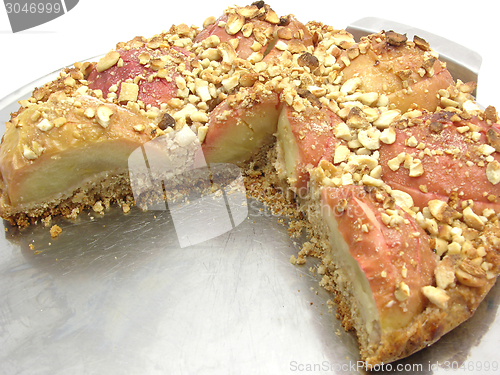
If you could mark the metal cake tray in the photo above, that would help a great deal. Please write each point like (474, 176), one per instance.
(118, 294)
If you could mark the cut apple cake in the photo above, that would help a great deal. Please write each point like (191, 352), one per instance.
(391, 163)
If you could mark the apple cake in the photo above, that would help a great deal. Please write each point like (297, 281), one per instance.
(390, 163)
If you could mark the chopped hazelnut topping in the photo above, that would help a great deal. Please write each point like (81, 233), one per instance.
(234, 23)
(370, 138)
(309, 60)
(28, 153)
(395, 163)
(103, 115)
(416, 168)
(493, 139)
(388, 136)
(470, 274)
(493, 172)
(89, 112)
(128, 92)
(209, 21)
(421, 43)
(45, 125)
(395, 39)
(60, 121)
(341, 154)
(402, 291)
(445, 275)
(272, 17)
(472, 220)
(109, 60)
(490, 113)
(387, 118)
(436, 295)
(442, 212)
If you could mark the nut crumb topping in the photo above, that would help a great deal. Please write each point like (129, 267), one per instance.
(395, 39)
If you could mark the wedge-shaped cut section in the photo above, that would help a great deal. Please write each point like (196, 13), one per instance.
(63, 145)
(403, 72)
(304, 139)
(437, 158)
(241, 125)
(381, 267)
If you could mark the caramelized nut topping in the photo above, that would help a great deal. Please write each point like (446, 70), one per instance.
(272, 17)
(470, 274)
(259, 4)
(442, 212)
(437, 296)
(306, 94)
(249, 12)
(490, 113)
(436, 127)
(421, 43)
(285, 20)
(284, 33)
(395, 39)
(166, 121)
(309, 60)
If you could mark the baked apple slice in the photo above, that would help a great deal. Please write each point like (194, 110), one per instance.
(404, 72)
(242, 125)
(140, 74)
(65, 144)
(289, 35)
(256, 32)
(383, 260)
(444, 156)
(303, 139)
(249, 29)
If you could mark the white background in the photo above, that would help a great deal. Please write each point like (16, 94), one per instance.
(94, 27)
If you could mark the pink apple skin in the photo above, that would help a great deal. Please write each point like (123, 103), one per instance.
(385, 255)
(300, 39)
(448, 171)
(244, 49)
(306, 138)
(151, 92)
(268, 50)
(381, 70)
(241, 125)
